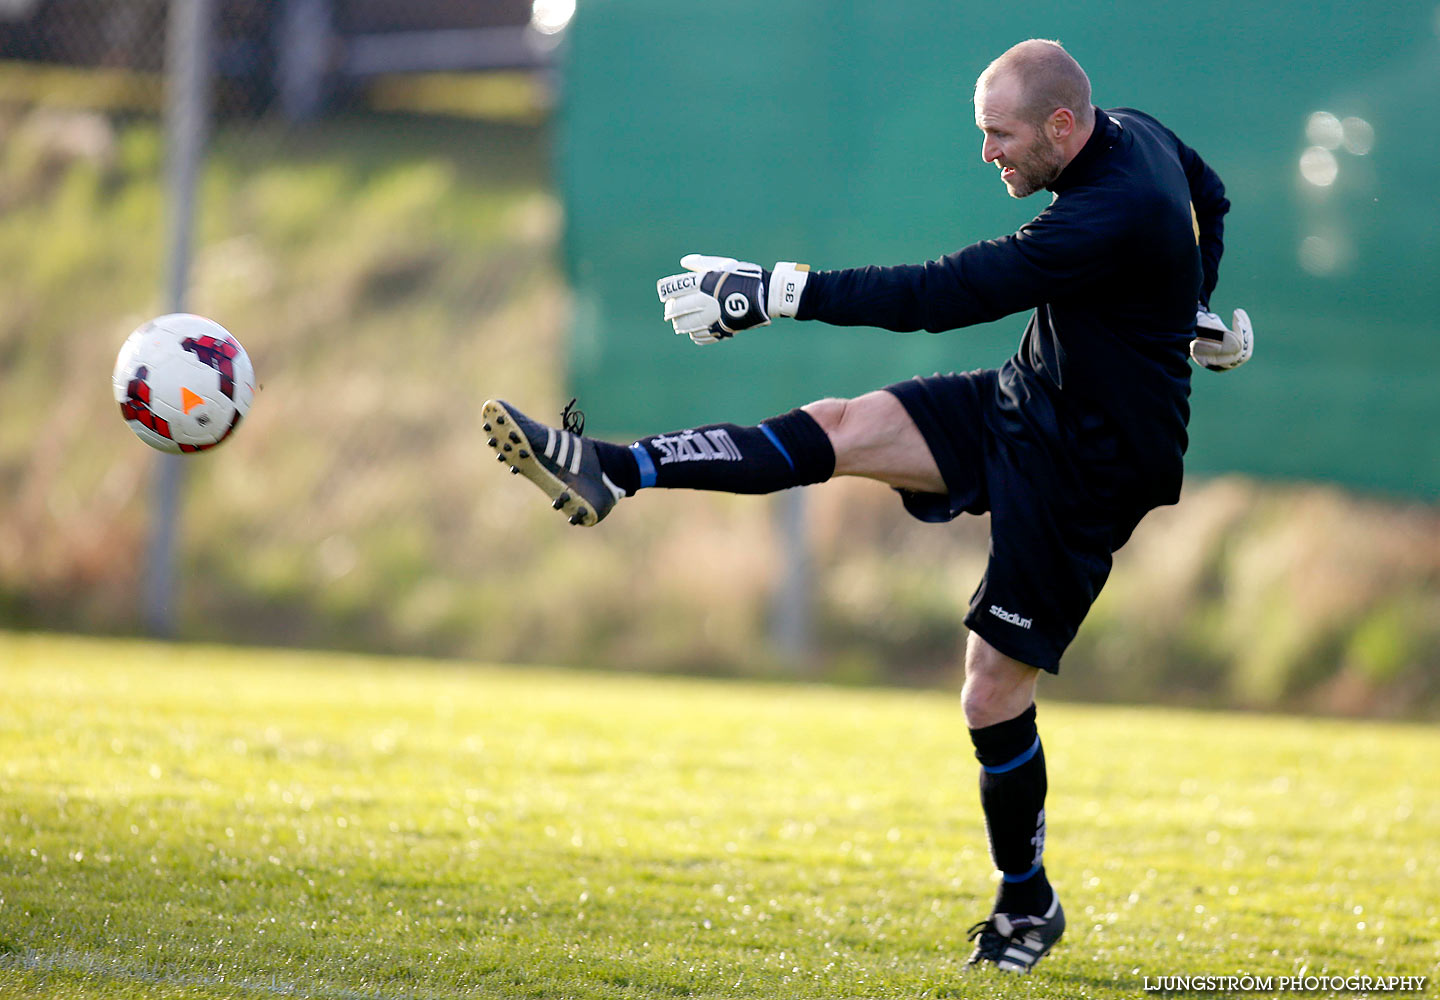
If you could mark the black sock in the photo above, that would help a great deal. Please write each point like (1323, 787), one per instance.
(619, 464)
(1012, 796)
(784, 451)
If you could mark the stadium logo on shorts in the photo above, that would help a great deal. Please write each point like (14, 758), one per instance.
(1009, 616)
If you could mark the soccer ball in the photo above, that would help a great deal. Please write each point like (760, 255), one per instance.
(183, 383)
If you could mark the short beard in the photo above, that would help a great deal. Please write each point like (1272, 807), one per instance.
(1037, 167)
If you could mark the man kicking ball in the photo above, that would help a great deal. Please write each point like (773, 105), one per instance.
(1067, 445)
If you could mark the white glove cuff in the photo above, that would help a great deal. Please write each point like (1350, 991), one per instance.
(787, 283)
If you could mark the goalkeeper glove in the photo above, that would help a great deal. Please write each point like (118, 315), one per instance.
(717, 297)
(1218, 347)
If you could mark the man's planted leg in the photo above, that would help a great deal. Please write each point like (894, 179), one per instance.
(999, 704)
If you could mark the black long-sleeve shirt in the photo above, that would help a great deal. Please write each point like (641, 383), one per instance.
(1113, 269)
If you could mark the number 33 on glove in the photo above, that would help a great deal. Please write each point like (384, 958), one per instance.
(717, 297)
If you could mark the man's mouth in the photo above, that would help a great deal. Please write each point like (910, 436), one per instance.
(1006, 173)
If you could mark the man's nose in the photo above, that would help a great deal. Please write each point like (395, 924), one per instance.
(989, 150)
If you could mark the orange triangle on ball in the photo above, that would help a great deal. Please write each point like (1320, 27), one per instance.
(189, 400)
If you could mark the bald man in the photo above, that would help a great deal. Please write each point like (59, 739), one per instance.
(1066, 446)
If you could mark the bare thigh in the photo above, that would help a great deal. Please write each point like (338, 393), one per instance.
(875, 438)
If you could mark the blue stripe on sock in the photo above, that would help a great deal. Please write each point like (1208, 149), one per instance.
(647, 467)
(778, 446)
(1011, 765)
(1023, 877)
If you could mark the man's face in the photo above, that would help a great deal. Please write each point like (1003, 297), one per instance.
(1027, 158)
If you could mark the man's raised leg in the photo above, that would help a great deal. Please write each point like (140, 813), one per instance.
(870, 436)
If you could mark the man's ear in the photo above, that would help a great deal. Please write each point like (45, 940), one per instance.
(1061, 123)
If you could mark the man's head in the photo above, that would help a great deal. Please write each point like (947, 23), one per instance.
(1033, 104)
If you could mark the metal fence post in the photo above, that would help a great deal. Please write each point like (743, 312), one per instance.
(792, 627)
(187, 112)
(304, 41)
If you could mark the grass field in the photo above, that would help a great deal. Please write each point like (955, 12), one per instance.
(218, 822)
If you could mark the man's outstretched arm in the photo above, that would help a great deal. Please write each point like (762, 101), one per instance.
(1050, 255)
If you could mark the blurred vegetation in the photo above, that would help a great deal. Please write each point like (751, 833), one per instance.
(386, 275)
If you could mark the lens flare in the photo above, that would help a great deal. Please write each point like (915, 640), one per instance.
(1324, 130)
(550, 17)
(1319, 167)
(1359, 135)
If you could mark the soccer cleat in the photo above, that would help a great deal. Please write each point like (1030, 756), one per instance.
(556, 459)
(1014, 942)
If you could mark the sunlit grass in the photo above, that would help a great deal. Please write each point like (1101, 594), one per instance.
(207, 821)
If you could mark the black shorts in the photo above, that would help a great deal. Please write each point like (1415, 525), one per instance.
(1051, 534)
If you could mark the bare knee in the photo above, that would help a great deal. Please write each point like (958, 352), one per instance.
(870, 421)
(828, 413)
(997, 687)
(874, 437)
